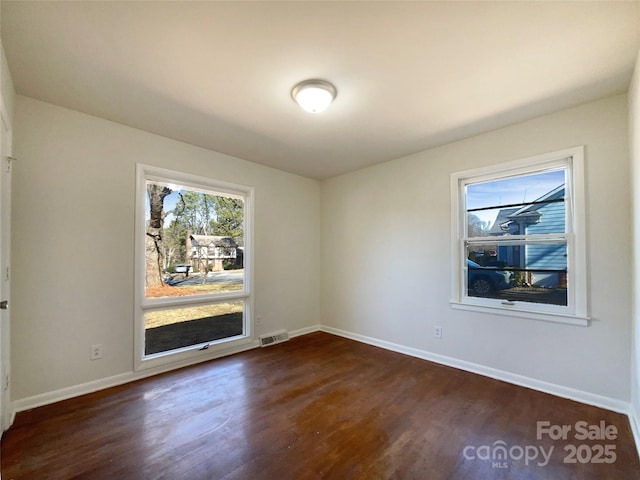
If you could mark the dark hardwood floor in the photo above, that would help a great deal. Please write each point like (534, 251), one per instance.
(318, 406)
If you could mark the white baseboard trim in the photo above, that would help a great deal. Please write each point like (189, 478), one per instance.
(70, 392)
(305, 331)
(554, 389)
(47, 398)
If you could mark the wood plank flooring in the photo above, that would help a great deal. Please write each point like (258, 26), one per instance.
(316, 407)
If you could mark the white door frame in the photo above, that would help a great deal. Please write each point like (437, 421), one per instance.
(6, 139)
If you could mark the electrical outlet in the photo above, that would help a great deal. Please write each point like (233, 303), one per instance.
(259, 320)
(96, 352)
(437, 332)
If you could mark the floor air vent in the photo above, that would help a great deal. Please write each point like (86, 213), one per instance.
(273, 338)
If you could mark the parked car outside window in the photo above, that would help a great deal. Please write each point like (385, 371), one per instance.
(482, 281)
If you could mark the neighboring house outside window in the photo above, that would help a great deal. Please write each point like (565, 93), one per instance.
(546, 265)
(214, 252)
(518, 230)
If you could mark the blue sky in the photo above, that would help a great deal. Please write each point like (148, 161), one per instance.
(168, 205)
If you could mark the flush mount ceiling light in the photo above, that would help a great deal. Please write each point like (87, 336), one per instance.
(314, 95)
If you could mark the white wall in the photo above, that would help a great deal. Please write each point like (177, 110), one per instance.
(73, 241)
(386, 247)
(634, 145)
(6, 85)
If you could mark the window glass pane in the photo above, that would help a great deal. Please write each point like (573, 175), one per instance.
(182, 327)
(534, 272)
(491, 222)
(523, 205)
(194, 241)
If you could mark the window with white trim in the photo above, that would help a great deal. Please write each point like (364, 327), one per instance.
(193, 264)
(519, 233)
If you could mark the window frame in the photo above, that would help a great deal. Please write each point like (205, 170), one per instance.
(576, 310)
(194, 353)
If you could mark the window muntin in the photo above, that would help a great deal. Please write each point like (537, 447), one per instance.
(200, 254)
(518, 248)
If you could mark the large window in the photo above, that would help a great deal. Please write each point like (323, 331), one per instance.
(519, 238)
(193, 263)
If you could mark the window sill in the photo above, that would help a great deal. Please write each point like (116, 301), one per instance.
(567, 319)
(193, 354)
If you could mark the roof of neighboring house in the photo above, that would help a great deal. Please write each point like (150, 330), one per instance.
(526, 214)
(218, 241)
(501, 219)
(554, 194)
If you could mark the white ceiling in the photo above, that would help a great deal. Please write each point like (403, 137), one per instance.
(410, 75)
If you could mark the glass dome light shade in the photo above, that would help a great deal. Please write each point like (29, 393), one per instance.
(314, 95)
